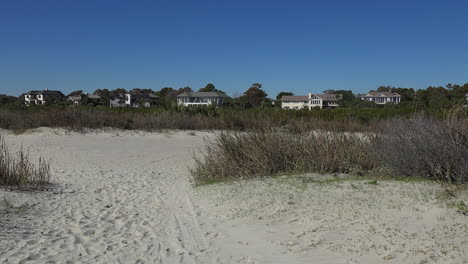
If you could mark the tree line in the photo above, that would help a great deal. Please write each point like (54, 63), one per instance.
(432, 97)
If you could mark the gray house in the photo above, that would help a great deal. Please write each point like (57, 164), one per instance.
(118, 100)
(141, 99)
(382, 97)
(83, 99)
(201, 98)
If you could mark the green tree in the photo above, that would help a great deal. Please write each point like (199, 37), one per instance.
(254, 96)
(384, 89)
(75, 93)
(407, 94)
(346, 95)
(120, 91)
(347, 98)
(277, 102)
(458, 93)
(7, 100)
(184, 90)
(281, 94)
(165, 91)
(208, 88)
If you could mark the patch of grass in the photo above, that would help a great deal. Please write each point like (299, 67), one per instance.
(18, 171)
(253, 154)
(461, 206)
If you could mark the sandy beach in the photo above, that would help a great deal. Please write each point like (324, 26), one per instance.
(126, 197)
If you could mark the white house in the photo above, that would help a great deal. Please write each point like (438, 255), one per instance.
(36, 97)
(382, 97)
(118, 100)
(324, 100)
(141, 99)
(310, 101)
(201, 98)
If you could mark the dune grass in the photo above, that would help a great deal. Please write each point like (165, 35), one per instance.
(420, 147)
(17, 170)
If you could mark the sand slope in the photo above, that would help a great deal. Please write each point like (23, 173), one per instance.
(288, 220)
(123, 197)
(120, 198)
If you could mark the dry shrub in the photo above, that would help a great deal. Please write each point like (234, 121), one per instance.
(420, 146)
(424, 146)
(234, 155)
(19, 171)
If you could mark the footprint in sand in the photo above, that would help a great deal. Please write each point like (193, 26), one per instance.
(89, 233)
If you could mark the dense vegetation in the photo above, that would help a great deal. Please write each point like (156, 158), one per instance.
(206, 118)
(254, 97)
(252, 110)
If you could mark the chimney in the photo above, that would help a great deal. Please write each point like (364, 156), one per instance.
(310, 95)
(46, 89)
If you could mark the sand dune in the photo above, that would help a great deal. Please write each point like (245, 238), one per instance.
(125, 197)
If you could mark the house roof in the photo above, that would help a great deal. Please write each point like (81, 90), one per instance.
(329, 97)
(303, 98)
(46, 92)
(381, 94)
(74, 97)
(79, 97)
(116, 96)
(143, 95)
(93, 96)
(295, 98)
(203, 94)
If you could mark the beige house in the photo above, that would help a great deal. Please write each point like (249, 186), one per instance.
(310, 101)
(294, 102)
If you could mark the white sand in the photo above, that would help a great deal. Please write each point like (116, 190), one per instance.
(124, 197)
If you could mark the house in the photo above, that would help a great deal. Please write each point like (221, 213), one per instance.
(294, 101)
(84, 99)
(201, 98)
(118, 100)
(36, 97)
(382, 97)
(325, 100)
(311, 101)
(141, 99)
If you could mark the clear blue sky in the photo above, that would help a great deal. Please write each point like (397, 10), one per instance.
(297, 46)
